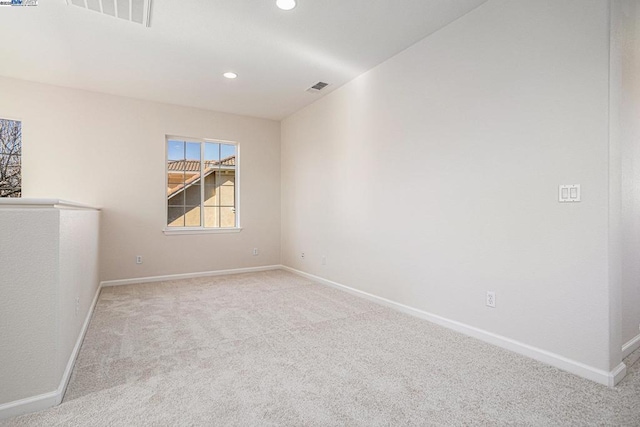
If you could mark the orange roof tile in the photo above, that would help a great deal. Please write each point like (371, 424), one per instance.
(194, 165)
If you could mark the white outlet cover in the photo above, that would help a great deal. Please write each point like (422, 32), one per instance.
(491, 299)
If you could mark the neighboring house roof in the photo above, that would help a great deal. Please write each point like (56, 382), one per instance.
(184, 165)
(194, 166)
(228, 161)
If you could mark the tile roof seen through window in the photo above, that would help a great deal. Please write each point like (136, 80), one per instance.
(194, 165)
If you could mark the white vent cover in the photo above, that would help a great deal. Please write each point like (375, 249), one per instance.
(317, 87)
(138, 11)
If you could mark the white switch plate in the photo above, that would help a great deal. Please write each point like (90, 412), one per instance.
(569, 193)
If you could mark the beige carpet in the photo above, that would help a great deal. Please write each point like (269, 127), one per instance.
(275, 349)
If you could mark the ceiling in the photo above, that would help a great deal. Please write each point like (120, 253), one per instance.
(181, 57)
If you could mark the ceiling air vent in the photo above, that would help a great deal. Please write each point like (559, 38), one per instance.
(138, 11)
(317, 87)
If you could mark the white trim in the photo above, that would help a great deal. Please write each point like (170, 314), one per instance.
(52, 398)
(617, 374)
(29, 404)
(62, 388)
(630, 346)
(177, 231)
(42, 203)
(121, 282)
(148, 20)
(600, 376)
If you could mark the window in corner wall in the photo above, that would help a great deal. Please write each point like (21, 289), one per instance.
(10, 158)
(201, 184)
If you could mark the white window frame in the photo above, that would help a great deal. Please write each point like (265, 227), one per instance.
(202, 229)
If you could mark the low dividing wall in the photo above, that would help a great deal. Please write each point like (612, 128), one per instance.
(48, 287)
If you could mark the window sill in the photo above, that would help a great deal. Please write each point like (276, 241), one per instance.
(184, 231)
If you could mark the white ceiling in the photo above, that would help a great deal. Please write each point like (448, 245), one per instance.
(180, 58)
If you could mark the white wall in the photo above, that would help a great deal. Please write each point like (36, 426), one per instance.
(27, 303)
(433, 177)
(78, 269)
(48, 285)
(625, 136)
(109, 152)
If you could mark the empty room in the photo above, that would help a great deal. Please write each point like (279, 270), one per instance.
(320, 212)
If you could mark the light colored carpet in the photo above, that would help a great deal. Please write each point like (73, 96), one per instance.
(272, 348)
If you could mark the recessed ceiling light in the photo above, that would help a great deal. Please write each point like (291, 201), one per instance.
(230, 75)
(286, 4)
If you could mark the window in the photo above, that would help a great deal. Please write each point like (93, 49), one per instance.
(201, 184)
(10, 158)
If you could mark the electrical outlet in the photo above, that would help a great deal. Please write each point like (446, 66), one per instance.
(255, 251)
(139, 259)
(302, 255)
(324, 260)
(491, 299)
(77, 306)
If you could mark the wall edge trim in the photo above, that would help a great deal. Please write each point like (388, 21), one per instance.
(630, 346)
(608, 378)
(52, 398)
(150, 279)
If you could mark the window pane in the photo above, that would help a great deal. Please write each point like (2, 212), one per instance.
(210, 190)
(13, 169)
(227, 217)
(175, 150)
(192, 197)
(10, 158)
(227, 189)
(193, 151)
(192, 216)
(227, 151)
(177, 200)
(175, 217)
(211, 153)
(211, 217)
(175, 183)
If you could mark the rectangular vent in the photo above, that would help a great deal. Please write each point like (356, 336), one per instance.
(317, 87)
(138, 11)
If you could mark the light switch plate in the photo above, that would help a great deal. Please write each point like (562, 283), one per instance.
(569, 193)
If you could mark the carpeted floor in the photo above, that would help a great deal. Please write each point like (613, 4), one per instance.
(273, 348)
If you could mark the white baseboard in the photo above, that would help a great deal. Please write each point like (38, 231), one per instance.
(29, 404)
(52, 398)
(630, 346)
(62, 388)
(610, 378)
(187, 275)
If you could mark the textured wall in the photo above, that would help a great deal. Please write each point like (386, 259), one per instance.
(435, 175)
(109, 152)
(79, 241)
(28, 299)
(49, 260)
